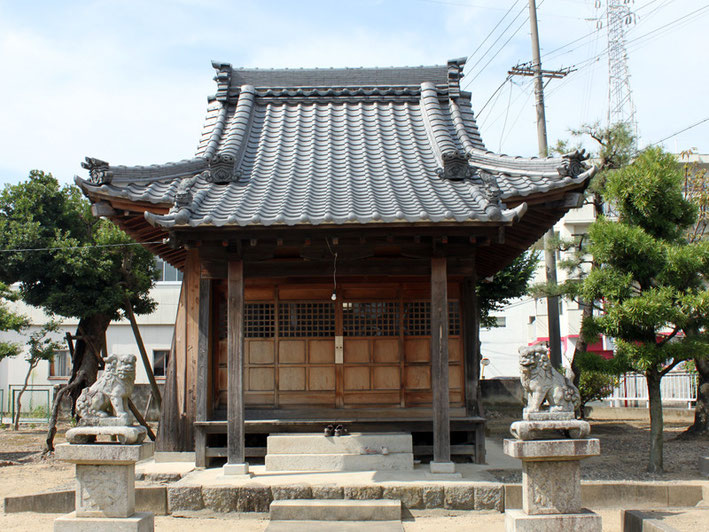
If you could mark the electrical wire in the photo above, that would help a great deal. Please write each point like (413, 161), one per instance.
(493, 45)
(681, 131)
(493, 30)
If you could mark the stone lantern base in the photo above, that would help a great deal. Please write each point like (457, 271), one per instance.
(105, 488)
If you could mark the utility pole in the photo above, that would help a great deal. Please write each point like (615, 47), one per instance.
(535, 70)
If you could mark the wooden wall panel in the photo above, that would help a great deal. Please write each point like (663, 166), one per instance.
(356, 351)
(455, 377)
(321, 379)
(418, 377)
(260, 379)
(356, 378)
(417, 350)
(304, 292)
(259, 293)
(455, 350)
(291, 351)
(386, 350)
(386, 377)
(259, 351)
(291, 378)
(321, 351)
(369, 293)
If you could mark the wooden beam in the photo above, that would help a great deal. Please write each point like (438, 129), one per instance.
(143, 354)
(203, 354)
(439, 361)
(235, 363)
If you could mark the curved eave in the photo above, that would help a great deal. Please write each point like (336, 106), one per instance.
(174, 221)
(113, 194)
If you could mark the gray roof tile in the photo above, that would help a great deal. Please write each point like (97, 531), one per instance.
(334, 156)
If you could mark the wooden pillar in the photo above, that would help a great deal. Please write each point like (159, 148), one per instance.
(439, 367)
(471, 348)
(203, 354)
(236, 456)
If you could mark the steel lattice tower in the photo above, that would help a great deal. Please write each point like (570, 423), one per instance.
(620, 98)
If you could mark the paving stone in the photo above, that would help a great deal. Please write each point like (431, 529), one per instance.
(411, 497)
(363, 492)
(254, 499)
(433, 496)
(184, 498)
(328, 492)
(221, 499)
(459, 497)
(489, 497)
(291, 492)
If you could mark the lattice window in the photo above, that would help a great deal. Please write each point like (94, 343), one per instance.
(377, 318)
(259, 320)
(306, 319)
(454, 318)
(417, 318)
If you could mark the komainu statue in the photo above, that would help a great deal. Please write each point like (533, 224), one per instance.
(541, 382)
(105, 402)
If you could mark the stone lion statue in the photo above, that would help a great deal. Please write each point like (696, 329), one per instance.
(105, 402)
(541, 382)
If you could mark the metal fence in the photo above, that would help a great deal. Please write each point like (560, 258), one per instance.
(36, 402)
(677, 388)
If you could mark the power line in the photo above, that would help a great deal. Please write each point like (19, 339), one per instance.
(681, 131)
(493, 30)
(494, 43)
(80, 247)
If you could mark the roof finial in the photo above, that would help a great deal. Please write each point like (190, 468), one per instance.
(99, 174)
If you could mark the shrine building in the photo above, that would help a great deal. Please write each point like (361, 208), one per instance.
(331, 228)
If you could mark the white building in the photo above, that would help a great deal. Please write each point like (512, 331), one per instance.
(156, 330)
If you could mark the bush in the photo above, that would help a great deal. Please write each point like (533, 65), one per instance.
(595, 385)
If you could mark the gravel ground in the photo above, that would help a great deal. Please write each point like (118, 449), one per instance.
(625, 447)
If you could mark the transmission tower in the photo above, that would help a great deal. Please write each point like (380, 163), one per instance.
(620, 97)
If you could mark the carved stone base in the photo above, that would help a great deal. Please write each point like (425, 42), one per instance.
(550, 429)
(584, 521)
(138, 522)
(124, 435)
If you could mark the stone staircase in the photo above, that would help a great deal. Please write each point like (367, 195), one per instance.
(314, 515)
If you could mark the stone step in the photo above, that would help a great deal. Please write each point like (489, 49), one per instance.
(335, 510)
(340, 462)
(356, 443)
(341, 526)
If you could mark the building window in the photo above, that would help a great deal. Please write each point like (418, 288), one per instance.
(60, 366)
(377, 318)
(417, 318)
(167, 273)
(160, 359)
(500, 321)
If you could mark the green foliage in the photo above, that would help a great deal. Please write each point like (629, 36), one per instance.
(10, 321)
(595, 385)
(42, 345)
(507, 284)
(87, 270)
(650, 279)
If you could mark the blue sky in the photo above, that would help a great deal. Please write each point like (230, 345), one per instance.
(126, 81)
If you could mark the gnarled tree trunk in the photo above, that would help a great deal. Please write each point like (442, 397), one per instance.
(701, 410)
(653, 377)
(85, 364)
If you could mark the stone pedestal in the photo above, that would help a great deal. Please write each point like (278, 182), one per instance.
(551, 485)
(105, 487)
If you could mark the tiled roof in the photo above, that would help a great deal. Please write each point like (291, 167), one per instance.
(338, 146)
